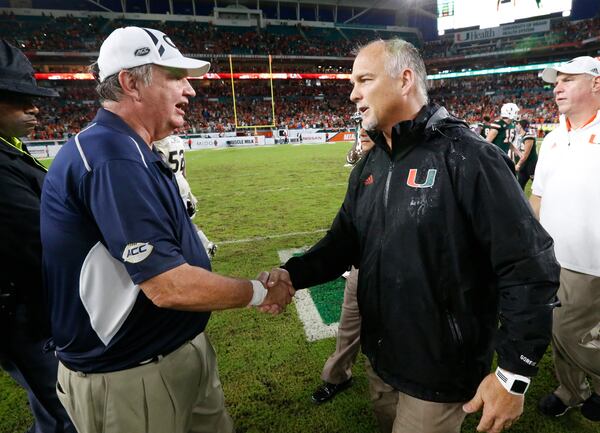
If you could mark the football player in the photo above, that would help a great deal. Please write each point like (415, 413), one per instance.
(502, 132)
(172, 152)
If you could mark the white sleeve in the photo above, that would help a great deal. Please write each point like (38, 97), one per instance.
(537, 188)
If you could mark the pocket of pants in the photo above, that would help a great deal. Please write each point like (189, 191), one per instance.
(591, 339)
(64, 398)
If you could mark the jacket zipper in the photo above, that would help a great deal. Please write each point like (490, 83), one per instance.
(387, 187)
(385, 203)
(454, 329)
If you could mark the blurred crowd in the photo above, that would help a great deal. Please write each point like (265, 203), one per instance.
(297, 103)
(472, 98)
(85, 35)
(302, 103)
(561, 31)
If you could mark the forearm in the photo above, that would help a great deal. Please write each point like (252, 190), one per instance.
(535, 201)
(526, 313)
(491, 135)
(191, 288)
(527, 151)
(324, 262)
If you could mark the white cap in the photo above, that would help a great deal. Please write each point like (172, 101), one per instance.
(129, 47)
(579, 65)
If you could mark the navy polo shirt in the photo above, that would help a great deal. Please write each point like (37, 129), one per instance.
(111, 218)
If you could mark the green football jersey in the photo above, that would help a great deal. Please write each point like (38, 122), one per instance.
(506, 134)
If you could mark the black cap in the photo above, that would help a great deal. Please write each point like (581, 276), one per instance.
(16, 73)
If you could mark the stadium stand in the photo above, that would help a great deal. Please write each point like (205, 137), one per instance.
(64, 43)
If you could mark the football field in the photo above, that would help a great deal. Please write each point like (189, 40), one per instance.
(257, 204)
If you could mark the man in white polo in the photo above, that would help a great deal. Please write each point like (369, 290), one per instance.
(566, 198)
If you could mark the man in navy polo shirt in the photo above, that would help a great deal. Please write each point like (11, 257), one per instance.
(130, 287)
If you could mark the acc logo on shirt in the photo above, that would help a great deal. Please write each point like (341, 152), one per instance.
(135, 253)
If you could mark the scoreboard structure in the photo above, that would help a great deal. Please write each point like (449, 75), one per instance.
(460, 14)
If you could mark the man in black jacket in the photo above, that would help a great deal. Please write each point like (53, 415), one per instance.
(24, 327)
(447, 245)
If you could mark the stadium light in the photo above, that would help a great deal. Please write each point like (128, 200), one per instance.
(324, 76)
(503, 70)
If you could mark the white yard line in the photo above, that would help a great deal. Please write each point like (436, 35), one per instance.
(314, 327)
(263, 238)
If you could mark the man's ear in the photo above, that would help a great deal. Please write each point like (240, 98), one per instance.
(596, 84)
(129, 85)
(407, 81)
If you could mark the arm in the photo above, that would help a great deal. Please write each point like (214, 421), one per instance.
(20, 222)
(332, 255)
(522, 257)
(191, 288)
(516, 151)
(521, 254)
(134, 211)
(528, 143)
(21, 249)
(493, 133)
(536, 202)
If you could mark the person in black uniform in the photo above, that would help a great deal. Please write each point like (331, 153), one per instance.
(525, 167)
(448, 248)
(24, 327)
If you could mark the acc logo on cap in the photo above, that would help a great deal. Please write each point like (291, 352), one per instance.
(141, 51)
(135, 253)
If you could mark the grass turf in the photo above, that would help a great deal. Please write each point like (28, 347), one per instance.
(253, 203)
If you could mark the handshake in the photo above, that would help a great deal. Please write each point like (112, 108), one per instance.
(279, 290)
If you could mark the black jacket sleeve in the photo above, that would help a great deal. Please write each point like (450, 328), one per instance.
(334, 253)
(521, 254)
(20, 249)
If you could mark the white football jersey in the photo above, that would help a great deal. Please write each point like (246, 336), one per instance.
(172, 152)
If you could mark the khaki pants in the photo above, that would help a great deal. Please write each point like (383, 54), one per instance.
(338, 367)
(397, 412)
(180, 393)
(576, 337)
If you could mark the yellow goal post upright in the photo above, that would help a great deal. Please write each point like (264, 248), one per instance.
(273, 124)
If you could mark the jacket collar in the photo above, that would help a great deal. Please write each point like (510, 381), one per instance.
(409, 132)
(430, 119)
(9, 148)
(7, 145)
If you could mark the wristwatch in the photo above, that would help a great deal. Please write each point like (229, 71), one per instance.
(513, 383)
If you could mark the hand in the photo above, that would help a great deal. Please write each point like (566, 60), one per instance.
(500, 408)
(280, 291)
(517, 167)
(280, 275)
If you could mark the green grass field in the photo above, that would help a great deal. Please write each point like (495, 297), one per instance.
(253, 203)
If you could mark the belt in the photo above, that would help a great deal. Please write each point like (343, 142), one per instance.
(156, 358)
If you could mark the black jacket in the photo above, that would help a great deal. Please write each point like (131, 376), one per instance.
(446, 244)
(21, 179)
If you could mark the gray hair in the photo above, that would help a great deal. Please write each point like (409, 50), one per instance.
(110, 89)
(400, 55)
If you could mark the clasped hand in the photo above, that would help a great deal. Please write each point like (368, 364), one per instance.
(280, 290)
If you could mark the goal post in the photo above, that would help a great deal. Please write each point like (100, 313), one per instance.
(235, 118)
